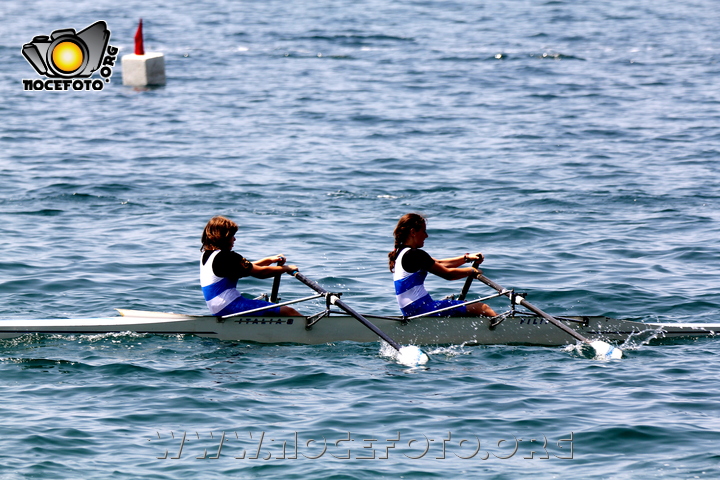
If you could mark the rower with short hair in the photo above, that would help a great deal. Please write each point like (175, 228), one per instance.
(221, 268)
(410, 266)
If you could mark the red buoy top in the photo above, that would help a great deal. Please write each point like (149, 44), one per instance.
(139, 47)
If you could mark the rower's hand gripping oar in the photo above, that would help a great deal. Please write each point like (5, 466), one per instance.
(408, 355)
(602, 349)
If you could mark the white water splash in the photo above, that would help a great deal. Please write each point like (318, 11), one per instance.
(604, 350)
(597, 350)
(409, 355)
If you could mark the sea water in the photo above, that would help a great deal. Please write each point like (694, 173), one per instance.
(574, 143)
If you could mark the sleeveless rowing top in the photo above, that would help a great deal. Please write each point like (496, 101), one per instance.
(409, 287)
(219, 292)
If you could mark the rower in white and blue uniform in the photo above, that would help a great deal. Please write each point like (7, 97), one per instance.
(410, 266)
(221, 268)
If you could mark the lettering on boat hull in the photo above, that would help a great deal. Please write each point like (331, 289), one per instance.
(265, 321)
(533, 321)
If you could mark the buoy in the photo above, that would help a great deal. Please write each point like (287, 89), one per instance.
(142, 69)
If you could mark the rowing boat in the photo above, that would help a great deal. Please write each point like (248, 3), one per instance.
(516, 329)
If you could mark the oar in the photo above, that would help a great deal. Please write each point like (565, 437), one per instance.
(276, 282)
(409, 355)
(602, 349)
(469, 280)
(275, 288)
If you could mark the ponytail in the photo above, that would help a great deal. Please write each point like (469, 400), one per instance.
(407, 223)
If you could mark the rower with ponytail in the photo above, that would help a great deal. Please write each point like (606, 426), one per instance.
(407, 223)
(410, 266)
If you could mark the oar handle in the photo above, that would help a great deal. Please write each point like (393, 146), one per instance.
(468, 281)
(335, 300)
(521, 301)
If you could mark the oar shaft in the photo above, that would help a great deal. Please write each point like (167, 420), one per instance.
(276, 281)
(534, 309)
(275, 288)
(336, 301)
(468, 281)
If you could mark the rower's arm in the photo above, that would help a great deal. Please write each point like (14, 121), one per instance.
(452, 262)
(267, 271)
(455, 262)
(452, 273)
(264, 262)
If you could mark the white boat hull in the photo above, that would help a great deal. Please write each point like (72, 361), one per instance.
(519, 330)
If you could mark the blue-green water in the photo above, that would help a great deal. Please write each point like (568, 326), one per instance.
(575, 145)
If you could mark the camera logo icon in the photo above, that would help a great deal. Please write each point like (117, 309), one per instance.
(67, 54)
(68, 59)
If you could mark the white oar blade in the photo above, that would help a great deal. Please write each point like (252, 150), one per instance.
(606, 351)
(411, 356)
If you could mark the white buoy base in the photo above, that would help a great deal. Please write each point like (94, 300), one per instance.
(143, 70)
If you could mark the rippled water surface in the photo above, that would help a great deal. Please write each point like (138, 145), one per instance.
(575, 145)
